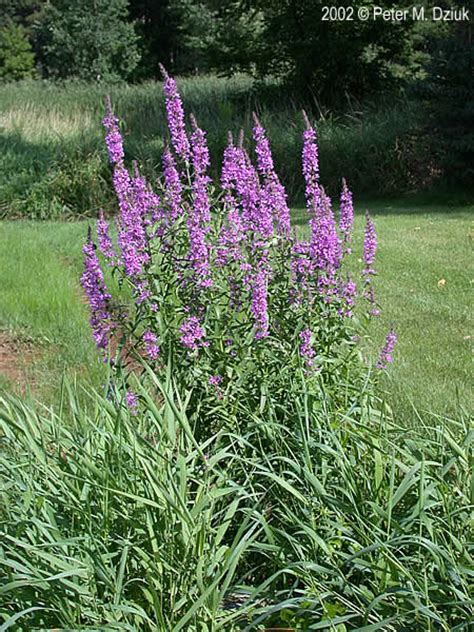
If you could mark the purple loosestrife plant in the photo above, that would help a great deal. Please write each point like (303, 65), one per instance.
(385, 357)
(214, 284)
(175, 117)
(346, 216)
(93, 284)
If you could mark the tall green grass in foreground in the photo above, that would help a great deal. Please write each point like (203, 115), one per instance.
(115, 522)
(53, 163)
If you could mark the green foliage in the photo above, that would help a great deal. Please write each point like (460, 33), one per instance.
(113, 522)
(51, 141)
(87, 39)
(448, 91)
(16, 55)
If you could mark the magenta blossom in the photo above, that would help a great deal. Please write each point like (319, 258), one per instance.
(151, 347)
(385, 357)
(192, 334)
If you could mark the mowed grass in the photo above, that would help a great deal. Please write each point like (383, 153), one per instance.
(41, 302)
(424, 288)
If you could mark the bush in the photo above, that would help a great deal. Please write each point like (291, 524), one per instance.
(215, 280)
(16, 56)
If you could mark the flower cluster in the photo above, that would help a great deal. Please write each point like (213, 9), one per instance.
(385, 357)
(93, 284)
(224, 254)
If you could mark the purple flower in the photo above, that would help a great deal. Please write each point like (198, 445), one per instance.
(346, 217)
(310, 165)
(192, 334)
(306, 348)
(132, 402)
(370, 249)
(175, 116)
(370, 245)
(93, 284)
(113, 137)
(348, 292)
(104, 240)
(215, 380)
(325, 246)
(385, 356)
(199, 213)
(256, 210)
(174, 188)
(151, 348)
(273, 193)
(232, 233)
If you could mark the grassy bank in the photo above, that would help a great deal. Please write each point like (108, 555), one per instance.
(53, 161)
(423, 287)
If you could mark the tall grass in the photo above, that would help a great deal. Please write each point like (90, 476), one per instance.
(112, 522)
(53, 162)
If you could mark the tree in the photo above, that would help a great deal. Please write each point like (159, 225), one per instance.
(448, 93)
(87, 39)
(328, 58)
(17, 60)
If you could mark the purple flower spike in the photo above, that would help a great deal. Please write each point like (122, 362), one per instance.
(346, 218)
(175, 116)
(370, 245)
(113, 137)
(273, 193)
(370, 249)
(132, 402)
(104, 240)
(259, 306)
(93, 284)
(310, 165)
(174, 188)
(151, 348)
(306, 347)
(385, 357)
(199, 213)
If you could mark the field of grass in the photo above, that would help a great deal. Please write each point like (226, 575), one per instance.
(53, 161)
(424, 288)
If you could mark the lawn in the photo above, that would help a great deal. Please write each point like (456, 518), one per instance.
(424, 286)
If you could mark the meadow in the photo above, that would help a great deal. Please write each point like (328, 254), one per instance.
(53, 162)
(251, 459)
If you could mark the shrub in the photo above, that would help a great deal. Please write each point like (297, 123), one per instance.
(216, 287)
(240, 471)
(17, 60)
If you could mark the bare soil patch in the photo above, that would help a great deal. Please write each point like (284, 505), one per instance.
(16, 358)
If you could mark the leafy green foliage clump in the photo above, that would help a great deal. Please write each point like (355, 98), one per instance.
(88, 40)
(16, 56)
